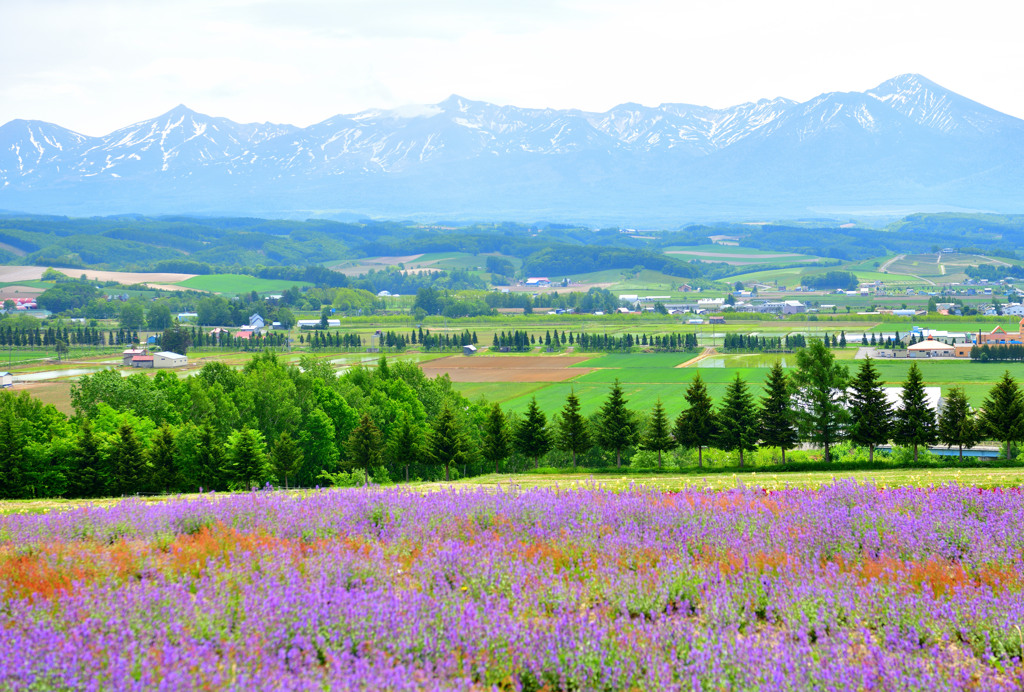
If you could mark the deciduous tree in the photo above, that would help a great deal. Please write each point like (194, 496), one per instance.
(821, 414)
(957, 424)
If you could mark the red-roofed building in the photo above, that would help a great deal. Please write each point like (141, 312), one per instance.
(142, 362)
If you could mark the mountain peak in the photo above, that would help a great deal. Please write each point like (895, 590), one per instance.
(907, 83)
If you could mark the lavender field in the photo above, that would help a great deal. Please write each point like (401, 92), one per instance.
(846, 587)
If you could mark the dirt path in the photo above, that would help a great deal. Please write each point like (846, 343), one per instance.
(708, 351)
(884, 269)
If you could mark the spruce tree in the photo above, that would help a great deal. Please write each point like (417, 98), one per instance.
(658, 437)
(364, 447)
(696, 427)
(447, 444)
(957, 424)
(531, 436)
(405, 445)
(1002, 413)
(497, 442)
(162, 455)
(573, 435)
(616, 424)
(871, 416)
(127, 462)
(285, 457)
(209, 462)
(915, 419)
(737, 419)
(84, 479)
(778, 428)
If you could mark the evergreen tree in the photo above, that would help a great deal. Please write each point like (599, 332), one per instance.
(737, 419)
(285, 457)
(127, 462)
(86, 462)
(776, 418)
(162, 466)
(957, 425)
(209, 462)
(364, 447)
(405, 444)
(821, 415)
(13, 463)
(616, 424)
(871, 416)
(531, 437)
(1002, 413)
(497, 442)
(246, 464)
(447, 444)
(573, 435)
(657, 437)
(696, 427)
(915, 419)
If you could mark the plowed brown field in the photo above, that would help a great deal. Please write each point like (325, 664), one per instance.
(505, 368)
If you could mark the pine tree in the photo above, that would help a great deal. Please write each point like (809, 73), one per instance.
(447, 444)
(657, 437)
(915, 419)
(778, 428)
(737, 419)
(573, 435)
(616, 424)
(696, 427)
(957, 425)
(531, 437)
(285, 457)
(497, 442)
(1002, 413)
(209, 462)
(871, 416)
(364, 447)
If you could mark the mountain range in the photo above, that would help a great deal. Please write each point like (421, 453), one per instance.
(907, 144)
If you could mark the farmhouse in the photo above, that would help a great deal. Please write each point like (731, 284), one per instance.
(169, 359)
(6, 379)
(128, 354)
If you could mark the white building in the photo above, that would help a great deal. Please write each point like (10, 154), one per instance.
(6, 379)
(169, 359)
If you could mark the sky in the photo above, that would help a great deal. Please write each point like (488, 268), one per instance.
(98, 65)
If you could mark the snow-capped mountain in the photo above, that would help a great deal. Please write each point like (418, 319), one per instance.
(906, 142)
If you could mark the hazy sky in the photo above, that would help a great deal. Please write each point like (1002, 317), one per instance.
(94, 66)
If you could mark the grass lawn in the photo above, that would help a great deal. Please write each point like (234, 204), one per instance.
(982, 478)
(233, 284)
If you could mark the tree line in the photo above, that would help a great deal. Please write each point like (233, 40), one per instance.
(305, 425)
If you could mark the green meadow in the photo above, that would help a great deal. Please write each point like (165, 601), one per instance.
(233, 284)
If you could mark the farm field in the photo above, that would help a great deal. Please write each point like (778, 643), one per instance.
(736, 255)
(842, 587)
(233, 284)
